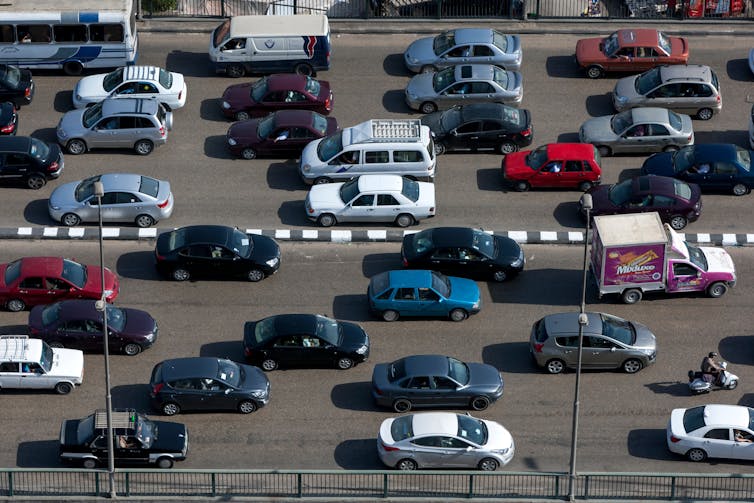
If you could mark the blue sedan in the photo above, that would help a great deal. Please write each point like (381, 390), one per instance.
(393, 294)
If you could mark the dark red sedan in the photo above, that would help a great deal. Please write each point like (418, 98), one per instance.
(281, 134)
(30, 281)
(289, 91)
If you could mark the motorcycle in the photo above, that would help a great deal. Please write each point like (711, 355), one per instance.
(700, 382)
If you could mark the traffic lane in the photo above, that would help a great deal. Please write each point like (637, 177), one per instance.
(324, 418)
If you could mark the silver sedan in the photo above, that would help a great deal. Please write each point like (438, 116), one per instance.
(638, 131)
(127, 198)
(462, 84)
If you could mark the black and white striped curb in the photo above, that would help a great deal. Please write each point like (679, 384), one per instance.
(339, 236)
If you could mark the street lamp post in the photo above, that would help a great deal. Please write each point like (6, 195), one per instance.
(101, 304)
(586, 205)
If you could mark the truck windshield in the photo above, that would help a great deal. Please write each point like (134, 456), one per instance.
(696, 255)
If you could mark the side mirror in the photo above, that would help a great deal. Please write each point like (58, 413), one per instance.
(227, 391)
(469, 449)
(454, 132)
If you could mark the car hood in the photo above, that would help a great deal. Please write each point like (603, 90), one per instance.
(507, 249)
(421, 51)
(238, 94)
(718, 260)
(645, 339)
(625, 87)
(497, 436)
(588, 50)
(421, 85)
(67, 363)
(514, 165)
(265, 248)
(659, 164)
(72, 121)
(91, 87)
(325, 196)
(353, 336)
(483, 375)
(254, 379)
(171, 437)
(597, 130)
(64, 196)
(244, 131)
(138, 323)
(463, 290)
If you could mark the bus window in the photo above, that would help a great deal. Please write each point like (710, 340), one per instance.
(69, 33)
(7, 36)
(106, 33)
(34, 33)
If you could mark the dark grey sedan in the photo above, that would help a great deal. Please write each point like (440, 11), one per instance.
(435, 381)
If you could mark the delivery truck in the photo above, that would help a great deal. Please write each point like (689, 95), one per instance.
(635, 253)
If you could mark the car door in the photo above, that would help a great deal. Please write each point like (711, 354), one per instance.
(125, 207)
(57, 289)
(431, 303)
(186, 392)
(482, 53)
(455, 56)
(105, 134)
(129, 449)
(288, 349)
(446, 392)
(33, 376)
(72, 334)
(17, 165)
(664, 205)
(600, 353)
(466, 136)
(743, 444)
(665, 96)
(457, 453)
(125, 90)
(717, 443)
(316, 351)
(273, 100)
(214, 396)
(722, 176)
(196, 258)
(10, 376)
(429, 451)
(445, 260)
(455, 94)
(360, 209)
(224, 262)
(419, 390)
(576, 171)
(32, 291)
(493, 133)
(286, 141)
(685, 277)
(484, 92)
(109, 210)
(470, 262)
(145, 89)
(634, 139)
(622, 60)
(645, 58)
(387, 208)
(568, 349)
(549, 175)
(406, 302)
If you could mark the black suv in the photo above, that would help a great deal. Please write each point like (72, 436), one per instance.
(29, 160)
(137, 440)
(16, 85)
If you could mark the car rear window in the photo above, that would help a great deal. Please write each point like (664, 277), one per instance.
(441, 284)
(39, 149)
(540, 332)
(664, 42)
(500, 40)
(166, 79)
(693, 418)
(149, 186)
(50, 314)
(713, 79)
(312, 86)
(410, 189)
(12, 272)
(423, 241)
(402, 428)
(379, 283)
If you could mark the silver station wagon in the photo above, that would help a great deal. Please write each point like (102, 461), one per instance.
(464, 45)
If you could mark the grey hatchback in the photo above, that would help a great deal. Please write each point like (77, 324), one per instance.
(609, 342)
(137, 123)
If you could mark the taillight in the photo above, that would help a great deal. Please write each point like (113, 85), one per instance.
(327, 104)
(526, 132)
(164, 203)
(674, 439)
(328, 56)
(8, 129)
(157, 387)
(389, 448)
(405, 262)
(52, 167)
(247, 351)
(377, 390)
(162, 130)
(33, 331)
(538, 347)
(718, 98)
(158, 256)
(27, 92)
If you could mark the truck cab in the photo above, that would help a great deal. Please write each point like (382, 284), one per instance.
(692, 268)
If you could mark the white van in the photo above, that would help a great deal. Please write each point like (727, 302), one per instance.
(271, 44)
(393, 146)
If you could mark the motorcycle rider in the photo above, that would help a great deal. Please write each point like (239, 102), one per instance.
(711, 368)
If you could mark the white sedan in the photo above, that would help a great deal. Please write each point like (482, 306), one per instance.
(712, 431)
(371, 198)
(169, 88)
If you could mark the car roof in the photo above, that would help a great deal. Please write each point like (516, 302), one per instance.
(664, 185)
(472, 35)
(435, 423)
(292, 118)
(121, 181)
(451, 236)
(184, 368)
(477, 72)
(568, 150)
(567, 323)
(142, 106)
(15, 143)
(637, 37)
(217, 234)
(286, 324)
(141, 72)
(422, 365)
(649, 114)
(286, 82)
(734, 415)
(685, 72)
(486, 111)
(385, 183)
(75, 309)
(409, 278)
(711, 152)
(41, 265)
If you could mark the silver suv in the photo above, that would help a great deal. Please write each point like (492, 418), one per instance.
(688, 89)
(137, 123)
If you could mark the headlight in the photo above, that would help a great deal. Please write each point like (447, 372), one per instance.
(62, 133)
(476, 305)
(362, 349)
(149, 337)
(517, 262)
(622, 100)
(306, 168)
(258, 394)
(231, 141)
(78, 97)
(225, 105)
(273, 262)
(500, 451)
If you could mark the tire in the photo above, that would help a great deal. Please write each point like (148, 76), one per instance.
(326, 220)
(555, 366)
(164, 463)
(15, 305)
(595, 72)
(604, 151)
(427, 69)
(248, 154)
(321, 180)
(406, 465)
(499, 276)
(584, 186)
(678, 222)
(671, 148)
(63, 388)
(521, 186)
(268, 364)
(255, 275)
(247, 407)
(404, 220)
(458, 314)
(488, 465)
(427, 107)
(143, 147)
(73, 68)
(344, 363)
(131, 349)
(402, 405)
(440, 148)
(70, 220)
(740, 189)
(696, 455)
(76, 147)
(36, 182)
(704, 114)
(717, 290)
(180, 274)
(304, 69)
(242, 115)
(390, 315)
(89, 463)
(507, 147)
(733, 384)
(631, 296)
(632, 366)
(235, 71)
(170, 408)
(480, 402)
(144, 221)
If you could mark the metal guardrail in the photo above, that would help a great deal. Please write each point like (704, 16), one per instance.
(376, 484)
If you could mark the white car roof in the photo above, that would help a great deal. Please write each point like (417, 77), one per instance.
(435, 423)
(726, 415)
(370, 183)
(141, 73)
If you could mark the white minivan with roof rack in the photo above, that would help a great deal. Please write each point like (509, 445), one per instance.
(32, 364)
(378, 146)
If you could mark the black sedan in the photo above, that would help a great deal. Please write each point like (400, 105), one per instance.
(213, 251)
(435, 381)
(715, 167)
(481, 126)
(463, 251)
(16, 85)
(304, 340)
(205, 383)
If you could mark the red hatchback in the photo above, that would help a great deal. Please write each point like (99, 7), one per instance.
(276, 92)
(30, 281)
(555, 165)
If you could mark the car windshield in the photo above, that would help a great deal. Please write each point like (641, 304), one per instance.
(402, 428)
(146, 431)
(648, 81)
(12, 272)
(611, 44)
(229, 372)
(696, 255)
(265, 126)
(451, 119)
(74, 272)
(329, 330)
(240, 243)
(92, 115)
(537, 157)
(112, 79)
(682, 189)
(319, 123)
(620, 122)
(330, 146)
(397, 370)
(166, 79)
(410, 189)
(744, 158)
(501, 77)
(443, 42)
(472, 429)
(39, 149)
(149, 186)
(258, 90)
(441, 284)
(312, 86)
(499, 40)
(12, 77)
(444, 78)
(349, 190)
(664, 42)
(483, 242)
(85, 189)
(116, 318)
(47, 357)
(618, 329)
(675, 120)
(693, 418)
(620, 193)
(50, 314)
(458, 371)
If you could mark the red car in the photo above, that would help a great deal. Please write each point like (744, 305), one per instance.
(281, 134)
(631, 50)
(556, 165)
(30, 281)
(283, 91)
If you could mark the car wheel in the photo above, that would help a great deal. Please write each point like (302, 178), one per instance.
(15, 305)
(344, 363)
(242, 115)
(170, 409)
(132, 349)
(247, 407)
(740, 189)
(632, 366)
(584, 186)
(670, 148)
(269, 364)
(89, 463)
(555, 366)
(507, 147)
(595, 72)
(143, 147)
(696, 455)
(248, 154)
(304, 69)
(717, 290)
(428, 107)
(488, 465)
(63, 388)
(678, 222)
(181, 274)
(73, 68)
(404, 220)
(402, 405)
(458, 315)
(390, 315)
(326, 220)
(733, 384)
(144, 221)
(406, 465)
(70, 220)
(604, 151)
(480, 402)
(165, 463)
(76, 147)
(499, 275)
(631, 296)
(440, 148)
(255, 275)
(521, 186)
(428, 69)
(35, 182)
(321, 180)
(704, 114)
(235, 71)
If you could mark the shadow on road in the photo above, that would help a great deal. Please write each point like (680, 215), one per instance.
(393, 65)
(737, 349)
(674, 388)
(351, 308)
(553, 287)
(738, 69)
(375, 263)
(63, 101)
(394, 101)
(209, 110)
(190, 64)
(283, 175)
(563, 67)
(599, 105)
(38, 454)
(137, 265)
(358, 454)
(490, 179)
(132, 396)
(232, 350)
(509, 357)
(649, 444)
(354, 396)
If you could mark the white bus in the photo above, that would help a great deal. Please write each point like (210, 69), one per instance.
(68, 34)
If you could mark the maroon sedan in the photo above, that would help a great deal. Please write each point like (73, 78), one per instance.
(30, 281)
(276, 92)
(78, 324)
(280, 134)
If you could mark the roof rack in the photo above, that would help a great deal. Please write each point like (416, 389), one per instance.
(387, 130)
(121, 419)
(13, 347)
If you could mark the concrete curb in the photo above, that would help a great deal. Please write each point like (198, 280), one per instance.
(337, 235)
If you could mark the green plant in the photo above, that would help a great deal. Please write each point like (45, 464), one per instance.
(158, 5)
